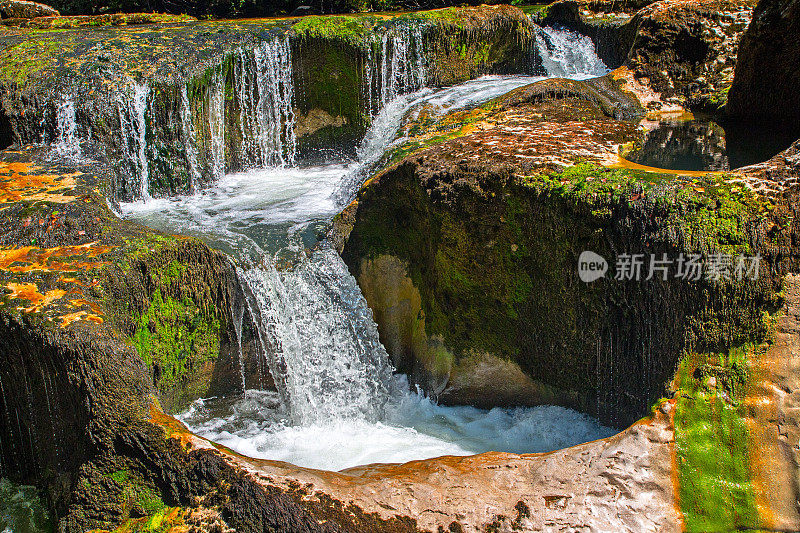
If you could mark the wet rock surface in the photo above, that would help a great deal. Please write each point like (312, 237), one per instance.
(429, 213)
(767, 72)
(21, 9)
(76, 283)
(685, 51)
(118, 62)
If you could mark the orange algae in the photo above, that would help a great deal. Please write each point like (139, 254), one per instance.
(30, 292)
(19, 181)
(31, 258)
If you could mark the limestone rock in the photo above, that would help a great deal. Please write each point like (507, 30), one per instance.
(767, 76)
(23, 9)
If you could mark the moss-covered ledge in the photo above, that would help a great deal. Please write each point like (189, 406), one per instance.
(99, 317)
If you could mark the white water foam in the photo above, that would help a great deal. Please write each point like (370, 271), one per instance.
(413, 427)
(568, 54)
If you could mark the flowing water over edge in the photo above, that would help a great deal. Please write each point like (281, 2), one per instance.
(338, 404)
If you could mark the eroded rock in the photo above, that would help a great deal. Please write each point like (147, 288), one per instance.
(767, 73)
(21, 9)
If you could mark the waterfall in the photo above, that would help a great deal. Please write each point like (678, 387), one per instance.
(190, 140)
(132, 106)
(568, 54)
(216, 123)
(274, 115)
(67, 142)
(395, 67)
(258, 89)
(320, 340)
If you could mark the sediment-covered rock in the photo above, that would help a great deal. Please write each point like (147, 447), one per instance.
(764, 89)
(22, 9)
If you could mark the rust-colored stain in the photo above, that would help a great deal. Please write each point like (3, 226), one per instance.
(673, 474)
(20, 181)
(172, 427)
(58, 259)
(38, 302)
(71, 318)
(93, 316)
(30, 292)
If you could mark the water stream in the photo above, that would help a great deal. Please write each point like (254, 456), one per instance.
(338, 403)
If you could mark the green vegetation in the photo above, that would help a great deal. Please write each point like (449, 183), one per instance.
(719, 98)
(711, 442)
(176, 338)
(711, 211)
(350, 29)
(20, 61)
(135, 490)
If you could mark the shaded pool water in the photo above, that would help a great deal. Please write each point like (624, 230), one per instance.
(700, 143)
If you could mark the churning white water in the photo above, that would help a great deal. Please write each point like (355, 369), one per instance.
(337, 404)
(413, 427)
(568, 54)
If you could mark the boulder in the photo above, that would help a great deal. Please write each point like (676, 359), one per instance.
(683, 50)
(22, 9)
(767, 75)
(467, 249)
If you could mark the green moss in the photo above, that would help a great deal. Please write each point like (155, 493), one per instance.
(719, 98)
(354, 30)
(161, 521)
(21, 61)
(176, 338)
(712, 212)
(334, 83)
(711, 443)
(135, 489)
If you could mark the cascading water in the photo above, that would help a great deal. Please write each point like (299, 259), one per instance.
(67, 143)
(324, 344)
(337, 404)
(132, 108)
(271, 114)
(190, 136)
(568, 54)
(394, 66)
(262, 97)
(216, 123)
